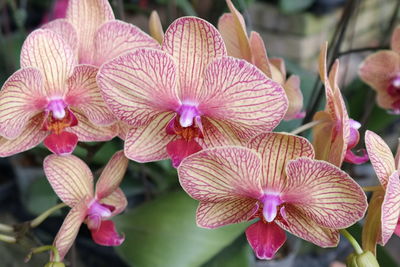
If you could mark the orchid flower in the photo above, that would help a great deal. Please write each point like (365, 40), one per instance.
(386, 168)
(189, 95)
(51, 98)
(72, 181)
(277, 180)
(336, 134)
(381, 71)
(233, 30)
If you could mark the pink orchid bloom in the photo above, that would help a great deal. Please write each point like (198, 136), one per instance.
(336, 134)
(381, 71)
(51, 98)
(276, 180)
(189, 95)
(72, 181)
(387, 169)
(233, 30)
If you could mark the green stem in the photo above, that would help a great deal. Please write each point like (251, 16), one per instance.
(305, 127)
(6, 228)
(8, 239)
(56, 256)
(38, 220)
(352, 241)
(372, 188)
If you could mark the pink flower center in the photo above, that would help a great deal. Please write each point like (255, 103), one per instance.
(58, 116)
(96, 213)
(394, 86)
(57, 108)
(187, 114)
(271, 203)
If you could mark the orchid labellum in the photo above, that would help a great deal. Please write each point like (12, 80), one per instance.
(72, 181)
(381, 71)
(189, 95)
(51, 98)
(336, 134)
(277, 181)
(386, 168)
(233, 30)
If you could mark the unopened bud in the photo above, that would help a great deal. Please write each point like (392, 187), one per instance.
(366, 259)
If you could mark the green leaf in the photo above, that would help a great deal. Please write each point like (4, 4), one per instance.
(163, 232)
(290, 6)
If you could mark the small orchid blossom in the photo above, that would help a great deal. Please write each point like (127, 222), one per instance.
(277, 181)
(189, 95)
(336, 134)
(72, 181)
(387, 169)
(51, 98)
(233, 30)
(381, 71)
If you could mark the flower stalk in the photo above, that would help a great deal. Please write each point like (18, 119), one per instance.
(38, 220)
(352, 240)
(372, 188)
(6, 228)
(8, 239)
(305, 127)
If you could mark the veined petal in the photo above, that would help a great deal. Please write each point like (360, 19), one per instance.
(381, 156)
(297, 223)
(221, 174)
(193, 43)
(52, 55)
(239, 94)
(116, 37)
(295, 98)
(322, 132)
(84, 94)
(148, 143)
(69, 177)
(212, 215)
(21, 97)
(155, 27)
(66, 30)
(276, 150)
(390, 208)
(30, 137)
(259, 54)
(112, 175)
(117, 199)
(278, 69)
(218, 133)
(86, 17)
(371, 231)
(395, 41)
(70, 228)
(139, 85)
(107, 235)
(89, 132)
(265, 239)
(379, 68)
(326, 194)
(124, 128)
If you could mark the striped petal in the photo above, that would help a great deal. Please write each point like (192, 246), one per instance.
(148, 143)
(239, 94)
(381, 157)
(66, 30)
(21, 97)
(89, 132)
(117, 199)
(30, 137)
(323, 192)
(395, 41)
(259, 54)
(112, 175)
(116, 37)
(194, 43)
(87, 16)
(276, 150)
(85, 95)
(52, 55)
(155, 27)
(69, 177)
(390, 208)
(138, 85)
(221, 174)
(297, 223)
(69, 229)
(218, 133)
(295, 98)
(212, 215)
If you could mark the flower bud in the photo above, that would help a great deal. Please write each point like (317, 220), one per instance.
(54, 264)
(366, 259)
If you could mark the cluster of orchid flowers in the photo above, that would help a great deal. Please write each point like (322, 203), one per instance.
(209, 100)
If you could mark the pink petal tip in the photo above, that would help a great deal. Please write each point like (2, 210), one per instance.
(180, 149)
(107, 235)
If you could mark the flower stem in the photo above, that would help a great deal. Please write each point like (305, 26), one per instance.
(56, 256)
(38, 220)
(352, 241)
(6, 228)
(372, 188)
(8, 239)
(305, 127)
